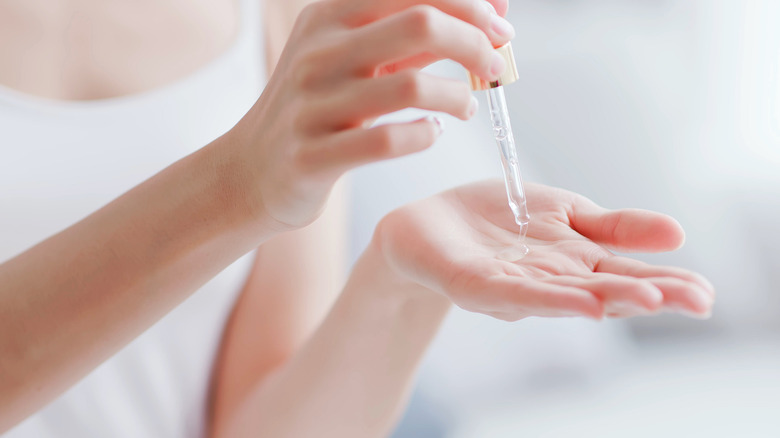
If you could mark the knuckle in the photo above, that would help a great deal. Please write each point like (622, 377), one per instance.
(304, 121)
(305, 71)
(384, 144)
(307, 63)
(310, 13)
(410, 88)
(306, 77)
(477, 13)
(310, 10)
(481, 44)
(421, 21)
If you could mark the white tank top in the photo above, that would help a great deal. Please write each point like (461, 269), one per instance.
(60, 161)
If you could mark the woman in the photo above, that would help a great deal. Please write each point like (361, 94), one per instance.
(75, 299)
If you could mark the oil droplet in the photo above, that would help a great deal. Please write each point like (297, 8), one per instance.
(514, 253)
(519, 250)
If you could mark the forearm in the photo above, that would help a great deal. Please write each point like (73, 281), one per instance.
(296, 278)
(73, 300)
(352, 377)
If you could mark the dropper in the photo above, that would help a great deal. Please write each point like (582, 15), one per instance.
(502, 131)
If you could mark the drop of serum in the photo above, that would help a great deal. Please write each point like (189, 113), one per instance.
(519, 250)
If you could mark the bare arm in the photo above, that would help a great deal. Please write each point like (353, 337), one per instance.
(294, 282)
(71, 301)
(295, 279)
(352, 377)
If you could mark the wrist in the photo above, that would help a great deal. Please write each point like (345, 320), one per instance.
(388, 286)
(237, 190)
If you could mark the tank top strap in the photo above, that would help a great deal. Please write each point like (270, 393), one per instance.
(249, 12)
(251, 38)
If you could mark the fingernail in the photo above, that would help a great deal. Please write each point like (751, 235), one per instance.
(473, 107)
(489, 7)
(497, 65)
(502, 27)
(438, 124)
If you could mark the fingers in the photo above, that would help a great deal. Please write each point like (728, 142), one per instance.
(635, 268)
(512, 298)
(684, 296)
(682, 289)
(501, 6)
(621, 296)
(422, 30)
(627, 230)
(479, 13)
(355, 147)
(371, 98)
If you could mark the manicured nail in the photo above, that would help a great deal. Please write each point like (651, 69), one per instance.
(502, 27)
(489, 7)
(497, 65)
(473, 107)
(438, 123)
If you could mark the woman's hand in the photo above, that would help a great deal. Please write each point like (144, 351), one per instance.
(451, 244)
(369, 345)
(346, 63)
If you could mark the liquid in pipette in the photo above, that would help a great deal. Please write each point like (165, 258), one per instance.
(502, 131)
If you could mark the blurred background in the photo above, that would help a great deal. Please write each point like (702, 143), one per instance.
(666, 105)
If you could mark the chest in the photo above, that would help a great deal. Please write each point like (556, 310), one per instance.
(92, 49)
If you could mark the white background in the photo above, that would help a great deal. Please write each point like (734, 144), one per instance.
(658, 104)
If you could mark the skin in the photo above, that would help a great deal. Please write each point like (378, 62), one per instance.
(138, 257)
(135, 259)
(352, 377)
(452, 244)
(92, 49)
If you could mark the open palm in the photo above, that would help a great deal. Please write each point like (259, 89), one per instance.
(454, 242)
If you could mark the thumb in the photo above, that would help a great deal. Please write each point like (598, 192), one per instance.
(627, 230)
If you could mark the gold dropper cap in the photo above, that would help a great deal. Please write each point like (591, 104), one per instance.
(507, 77)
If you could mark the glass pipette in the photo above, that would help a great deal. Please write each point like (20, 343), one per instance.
(502, 130)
